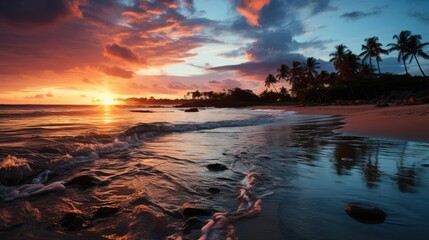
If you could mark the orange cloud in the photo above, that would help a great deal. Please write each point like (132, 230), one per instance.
(121, 52)
(117, 72)
(27, 14)
(250, 9)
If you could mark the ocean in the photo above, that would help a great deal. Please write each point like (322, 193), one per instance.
(112, 172)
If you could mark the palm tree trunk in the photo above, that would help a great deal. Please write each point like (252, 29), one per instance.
(274, 88)
(419, 66)
(378, 66)
(405, 65)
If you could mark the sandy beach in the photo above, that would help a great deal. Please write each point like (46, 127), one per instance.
(399, 122)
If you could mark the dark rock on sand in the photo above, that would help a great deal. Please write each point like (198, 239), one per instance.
(73, 221)
(142, 111)
(105, 211)
(193, 223)
(382, 104)
(192, 110)
(84, 181)
(216, 167)
(191, 211)
(213, 190)
(365, 213)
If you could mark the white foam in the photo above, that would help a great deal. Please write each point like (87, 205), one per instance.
(27, 190)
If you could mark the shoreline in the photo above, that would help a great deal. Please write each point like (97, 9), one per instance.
(395, 122)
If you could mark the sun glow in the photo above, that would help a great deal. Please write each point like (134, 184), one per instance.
(108, 100)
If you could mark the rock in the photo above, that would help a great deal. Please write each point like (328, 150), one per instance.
(142, 111)
(213, 190)
(73, 221)
(191, 211)
(84, 181)
(192, 110)
(105, 211)
(365, 213)
(216, 167)
(193, 223)
(382, 103)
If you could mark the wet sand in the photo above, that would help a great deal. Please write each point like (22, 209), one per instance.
(399, 122)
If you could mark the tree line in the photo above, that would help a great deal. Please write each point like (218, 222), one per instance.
(307, 83)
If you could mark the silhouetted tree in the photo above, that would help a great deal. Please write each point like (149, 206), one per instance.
(415, 48)
(366, 70)
(371, 49)
(283, 72)
(196, 94)
(401, 45)
(338, 56)
(270, 80)
(310, 71)
(295, 77)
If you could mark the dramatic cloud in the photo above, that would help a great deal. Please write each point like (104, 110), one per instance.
(250, 9)
(355, 15)
(118, 72)
(421, 16)
(121, 52)
(26, 13)
(40, 95)
(274, 44)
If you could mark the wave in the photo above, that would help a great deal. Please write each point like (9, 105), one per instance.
(39, 114)
(68, 151)
(165, 127)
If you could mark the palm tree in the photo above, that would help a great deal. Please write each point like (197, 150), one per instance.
(283, 72)
(338, 56)
(310, 67)
(295, 77)
(283, 91)
(415, 47)
(366, 70)
(270, 81)
(401, 45)
(373, 49)
(322, 78)
(349, 67)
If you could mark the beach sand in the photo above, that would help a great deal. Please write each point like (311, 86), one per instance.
(399, 122)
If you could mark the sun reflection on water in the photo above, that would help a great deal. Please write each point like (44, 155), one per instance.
(107, 118)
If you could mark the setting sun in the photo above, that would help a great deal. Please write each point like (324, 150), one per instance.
(107, 99)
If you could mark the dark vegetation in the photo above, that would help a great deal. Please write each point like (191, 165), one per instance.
(356, 80)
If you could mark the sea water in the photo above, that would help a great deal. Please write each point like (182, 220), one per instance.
(147, 175)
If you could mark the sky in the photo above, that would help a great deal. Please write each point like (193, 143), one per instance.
(87, 51)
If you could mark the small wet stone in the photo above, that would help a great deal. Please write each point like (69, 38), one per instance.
(84, 181)
(213, 190)
(73, 221)
(216, 167)
(365, 213)
(190, 210)
(105, 211)
(192, 110)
